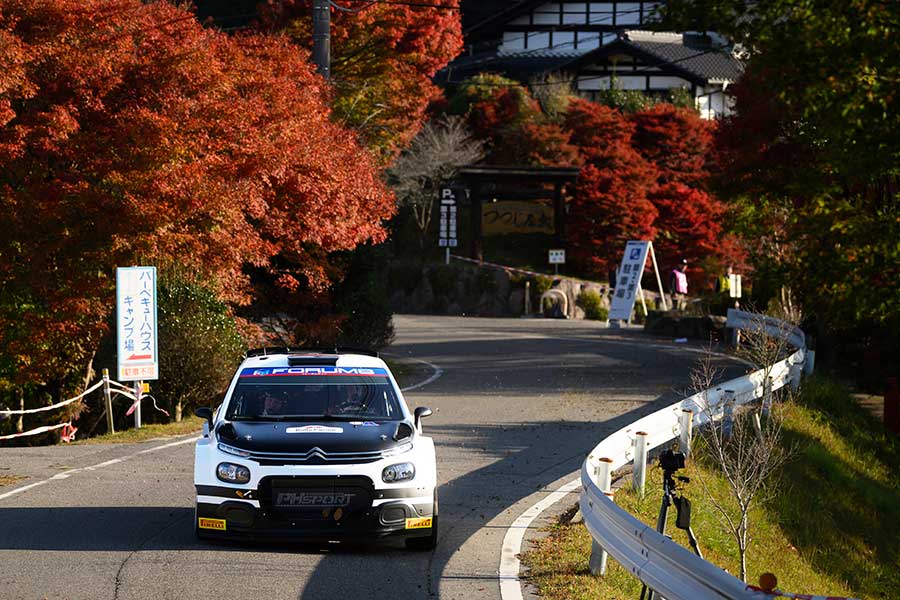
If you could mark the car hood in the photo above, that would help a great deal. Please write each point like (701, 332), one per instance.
(302, 436)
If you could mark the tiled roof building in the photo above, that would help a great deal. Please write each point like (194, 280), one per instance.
(598, 44)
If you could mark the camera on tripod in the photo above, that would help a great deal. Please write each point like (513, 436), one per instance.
(671, 460)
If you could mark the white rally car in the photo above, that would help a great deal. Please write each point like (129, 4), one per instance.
(310, 446)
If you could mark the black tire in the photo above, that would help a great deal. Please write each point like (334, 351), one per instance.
(430, 542)
(198, 533)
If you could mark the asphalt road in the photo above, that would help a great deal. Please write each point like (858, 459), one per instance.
(518, 406)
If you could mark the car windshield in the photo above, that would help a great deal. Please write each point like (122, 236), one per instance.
(314, 393)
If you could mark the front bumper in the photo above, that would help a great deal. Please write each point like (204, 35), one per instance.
(321, 511)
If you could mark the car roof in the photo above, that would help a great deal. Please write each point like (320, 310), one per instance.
(341, 360)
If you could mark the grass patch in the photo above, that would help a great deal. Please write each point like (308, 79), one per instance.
(191, 424)
(833, 528)
(10, 479)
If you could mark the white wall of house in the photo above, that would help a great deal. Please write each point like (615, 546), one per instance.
(711, 101)
(568, 15)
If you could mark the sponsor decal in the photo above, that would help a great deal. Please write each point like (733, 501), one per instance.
(364, 423)
(218, 524)
(419, 523)
(245, 494)
(303, 371)
(313, 500)
(314, 429)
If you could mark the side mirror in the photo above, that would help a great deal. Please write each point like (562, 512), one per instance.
(420, 413)
(205, 412)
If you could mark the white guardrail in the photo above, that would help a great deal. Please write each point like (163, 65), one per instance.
(670, 569)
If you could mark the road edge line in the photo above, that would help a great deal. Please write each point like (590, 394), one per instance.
(510, 582)
(434, 376)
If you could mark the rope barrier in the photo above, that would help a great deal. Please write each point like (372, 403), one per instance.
(53, 406)
(44, 429)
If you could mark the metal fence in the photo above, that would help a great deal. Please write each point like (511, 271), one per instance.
(670, 569)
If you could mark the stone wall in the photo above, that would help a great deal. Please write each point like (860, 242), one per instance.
(463, 289)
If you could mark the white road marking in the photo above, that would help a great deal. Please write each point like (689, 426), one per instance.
(434, 376)
(70, 472)
(510, 585)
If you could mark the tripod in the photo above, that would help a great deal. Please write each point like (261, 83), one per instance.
(682, 506)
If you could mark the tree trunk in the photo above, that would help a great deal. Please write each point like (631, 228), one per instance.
(20, 425)
(178, 410)
(742, 545)
(89, 373)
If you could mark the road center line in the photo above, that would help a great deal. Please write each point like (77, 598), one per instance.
(70, 472)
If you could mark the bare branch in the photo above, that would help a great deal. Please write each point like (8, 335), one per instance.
(748, 458)
(431, 162)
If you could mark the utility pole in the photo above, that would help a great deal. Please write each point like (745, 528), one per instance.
(322, 36)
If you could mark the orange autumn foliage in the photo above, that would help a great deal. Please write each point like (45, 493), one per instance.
(129, 134)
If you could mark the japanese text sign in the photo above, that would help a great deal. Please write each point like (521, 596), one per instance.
(628, 280)
(136, 323)
(448, 237)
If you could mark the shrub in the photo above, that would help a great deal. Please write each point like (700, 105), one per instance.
(199, 345)
(363, 300)
(404, 276)
(443, 280)
(592, 304)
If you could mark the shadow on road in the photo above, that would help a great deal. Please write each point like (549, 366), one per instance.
(498, 450)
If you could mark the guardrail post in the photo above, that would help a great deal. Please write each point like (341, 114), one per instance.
(809, 363)
(527, 298)
(727, 413)
(796, 372)
(639, 476)
(735, 337)
(686, 430)
(108, 400)
(603, 476)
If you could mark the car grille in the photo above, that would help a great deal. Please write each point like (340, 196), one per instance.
(329, 501)
(314, 456)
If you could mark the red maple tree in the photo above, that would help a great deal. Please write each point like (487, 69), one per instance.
(383, 59)
(677, 141)
(610, 205)
(131, 135)
(690, 223)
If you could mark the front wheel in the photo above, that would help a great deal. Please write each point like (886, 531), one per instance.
(430, 542)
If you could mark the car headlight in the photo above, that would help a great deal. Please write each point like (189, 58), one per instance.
(233, 473)
(232, 450)
(399, 472)
(397, 450)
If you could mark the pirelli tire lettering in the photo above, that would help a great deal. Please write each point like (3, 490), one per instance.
(315, 447)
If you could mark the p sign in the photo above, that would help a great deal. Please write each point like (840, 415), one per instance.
(557, 257)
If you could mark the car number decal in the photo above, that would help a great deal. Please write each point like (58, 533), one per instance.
(218, 524)
(421, 523)
(314, 429)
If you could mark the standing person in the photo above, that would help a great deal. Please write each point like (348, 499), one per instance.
(723, 283)
(678, 286)
(723, 287)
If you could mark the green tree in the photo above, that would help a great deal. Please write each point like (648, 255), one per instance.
(812, 158)
(199, 345)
